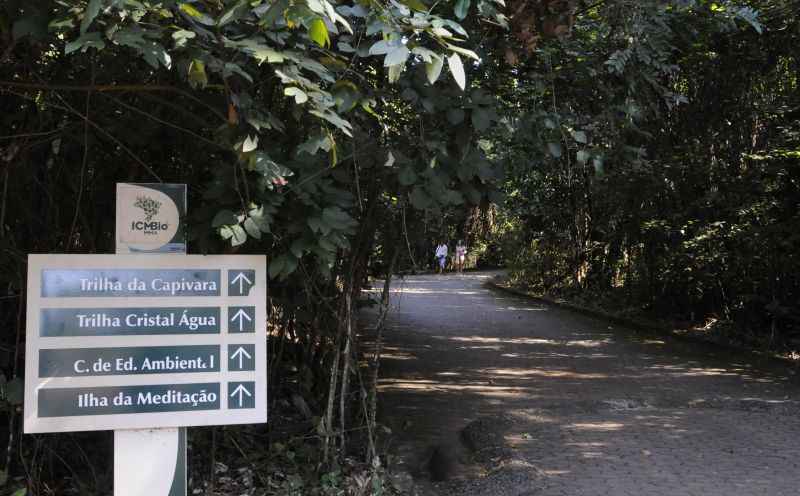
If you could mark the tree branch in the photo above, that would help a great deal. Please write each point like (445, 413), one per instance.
(102, 88)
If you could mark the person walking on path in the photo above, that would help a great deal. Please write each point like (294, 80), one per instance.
(461, 255)
(441, 255)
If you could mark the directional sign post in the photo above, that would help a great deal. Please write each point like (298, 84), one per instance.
(144, 341)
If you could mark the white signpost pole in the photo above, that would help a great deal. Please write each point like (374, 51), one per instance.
(150, 461)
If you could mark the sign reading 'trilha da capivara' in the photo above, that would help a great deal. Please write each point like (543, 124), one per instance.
(144, 341)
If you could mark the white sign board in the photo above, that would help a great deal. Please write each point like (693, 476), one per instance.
(144, 341)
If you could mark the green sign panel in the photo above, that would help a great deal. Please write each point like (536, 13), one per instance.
(130, 282)
(70, 402)
(55, 322)
(83, 362)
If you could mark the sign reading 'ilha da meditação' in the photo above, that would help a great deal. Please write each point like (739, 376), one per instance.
(143, 341)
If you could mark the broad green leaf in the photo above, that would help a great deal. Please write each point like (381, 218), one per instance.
(224, 218)
(383, 47)
(298, 247)
(433, 69)
(346, 95)
(23, 491)
(89, 15)
(195, 14)
(277, 265)
(231, 68)
(197, 74)
(250, 143)
(582, 156)
(394, 72)
(335, 119)
(239, 235)
(260, 219)
(182, 36)
(299, 95)
(190, 10)
(427, 55)
(463, 51)
(554, 149)
(319, 33)
(232, 14)
(461, 9)
(252, 228)
(85, 42)
(61, 24)
(580, 137)
(314, 143)
(455, 27)
(397, 56)
(457, 70)
(272, 172)
(416, 5)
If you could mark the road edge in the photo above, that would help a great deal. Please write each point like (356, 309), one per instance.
(638, 325)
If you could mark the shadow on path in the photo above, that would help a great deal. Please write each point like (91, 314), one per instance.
(519, 398)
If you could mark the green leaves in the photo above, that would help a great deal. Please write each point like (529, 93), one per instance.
(92, 10)
(457, 70)
(461, 9)
(197, 74)
(319, 33)
(299, 95)
(397, 56)
(433, 69)
(85, 42)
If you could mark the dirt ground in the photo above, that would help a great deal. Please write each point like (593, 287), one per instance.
(490, 394)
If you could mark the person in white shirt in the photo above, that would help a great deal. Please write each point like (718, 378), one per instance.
(441, 255)
(461, 255)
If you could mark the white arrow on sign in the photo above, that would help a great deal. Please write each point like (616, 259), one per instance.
(241, 391)
(241, 278)
(241, 353)
(241, 315)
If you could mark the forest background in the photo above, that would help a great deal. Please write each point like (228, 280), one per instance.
(638, 155)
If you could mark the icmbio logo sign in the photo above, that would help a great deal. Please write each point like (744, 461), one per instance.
(149, 218)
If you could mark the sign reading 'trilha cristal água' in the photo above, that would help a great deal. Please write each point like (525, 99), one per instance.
(144, 341)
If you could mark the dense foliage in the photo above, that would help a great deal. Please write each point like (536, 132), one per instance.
(644, 147)
(664, 178)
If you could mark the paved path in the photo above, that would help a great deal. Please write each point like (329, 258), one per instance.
(561, 404)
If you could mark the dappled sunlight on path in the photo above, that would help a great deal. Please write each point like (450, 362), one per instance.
(593, 409)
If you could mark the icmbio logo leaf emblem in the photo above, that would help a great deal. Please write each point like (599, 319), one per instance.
(149, 206)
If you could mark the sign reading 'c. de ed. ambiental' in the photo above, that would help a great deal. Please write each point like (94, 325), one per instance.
(143, 341)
